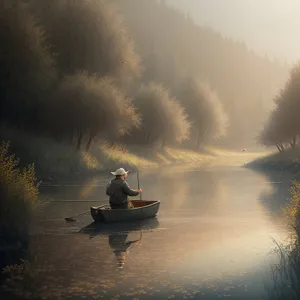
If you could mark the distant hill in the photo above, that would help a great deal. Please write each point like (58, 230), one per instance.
(173, 46)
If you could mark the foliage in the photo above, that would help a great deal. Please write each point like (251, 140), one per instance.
(163, 118)
(293, 209)
(88, 35)
(283, 126)
(87, 42)
(286, 275)
(18, 192)
(204, 109)
(272, 133)
(174, 46)
(26, 66)
(98, 108)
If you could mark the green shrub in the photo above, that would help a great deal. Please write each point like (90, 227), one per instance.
(18, 192)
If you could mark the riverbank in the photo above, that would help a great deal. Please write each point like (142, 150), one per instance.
(56, 161)
(288, 161)
(53, 160)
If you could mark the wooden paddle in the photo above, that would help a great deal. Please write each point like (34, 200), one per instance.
(70, 219)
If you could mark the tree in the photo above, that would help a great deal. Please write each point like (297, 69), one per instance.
(204, 110)
(89, 106)
(88, 35)
(289, 105)
(272, 133)
(237, 73)
(283, 126)
(26, 66)
(163, 118)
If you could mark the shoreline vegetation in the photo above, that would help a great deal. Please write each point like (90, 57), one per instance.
(53, 160)
(286, 273)
(287, 161)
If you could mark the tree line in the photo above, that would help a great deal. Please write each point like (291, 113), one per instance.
(282, 128)
(173, 46)
(69, 69)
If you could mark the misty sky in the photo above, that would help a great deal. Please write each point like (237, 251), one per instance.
(267, 26)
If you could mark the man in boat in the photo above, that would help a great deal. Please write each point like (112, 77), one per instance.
(118, 190)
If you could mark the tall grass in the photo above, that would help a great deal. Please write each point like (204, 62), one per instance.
(119, 154)
(18, 193)
(286, 274)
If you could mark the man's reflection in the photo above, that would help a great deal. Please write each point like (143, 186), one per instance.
(118, 235)
(120, 246)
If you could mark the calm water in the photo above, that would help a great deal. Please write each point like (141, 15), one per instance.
(212, 238)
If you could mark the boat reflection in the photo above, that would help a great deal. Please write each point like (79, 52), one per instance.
(118, 235)
(95, 228)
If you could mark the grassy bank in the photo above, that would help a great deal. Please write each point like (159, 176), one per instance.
(56, 160)
(288, 161)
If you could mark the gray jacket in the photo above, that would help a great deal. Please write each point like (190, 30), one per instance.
(118, 191)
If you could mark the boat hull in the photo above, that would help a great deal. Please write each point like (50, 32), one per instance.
(142, 210)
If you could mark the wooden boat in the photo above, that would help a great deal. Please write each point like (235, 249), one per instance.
(143, 209)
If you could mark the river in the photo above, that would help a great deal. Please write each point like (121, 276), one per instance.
(213, 238)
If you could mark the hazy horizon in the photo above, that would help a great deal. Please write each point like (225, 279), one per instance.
(269, 27)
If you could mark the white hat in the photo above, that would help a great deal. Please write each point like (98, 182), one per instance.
(120, 172)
